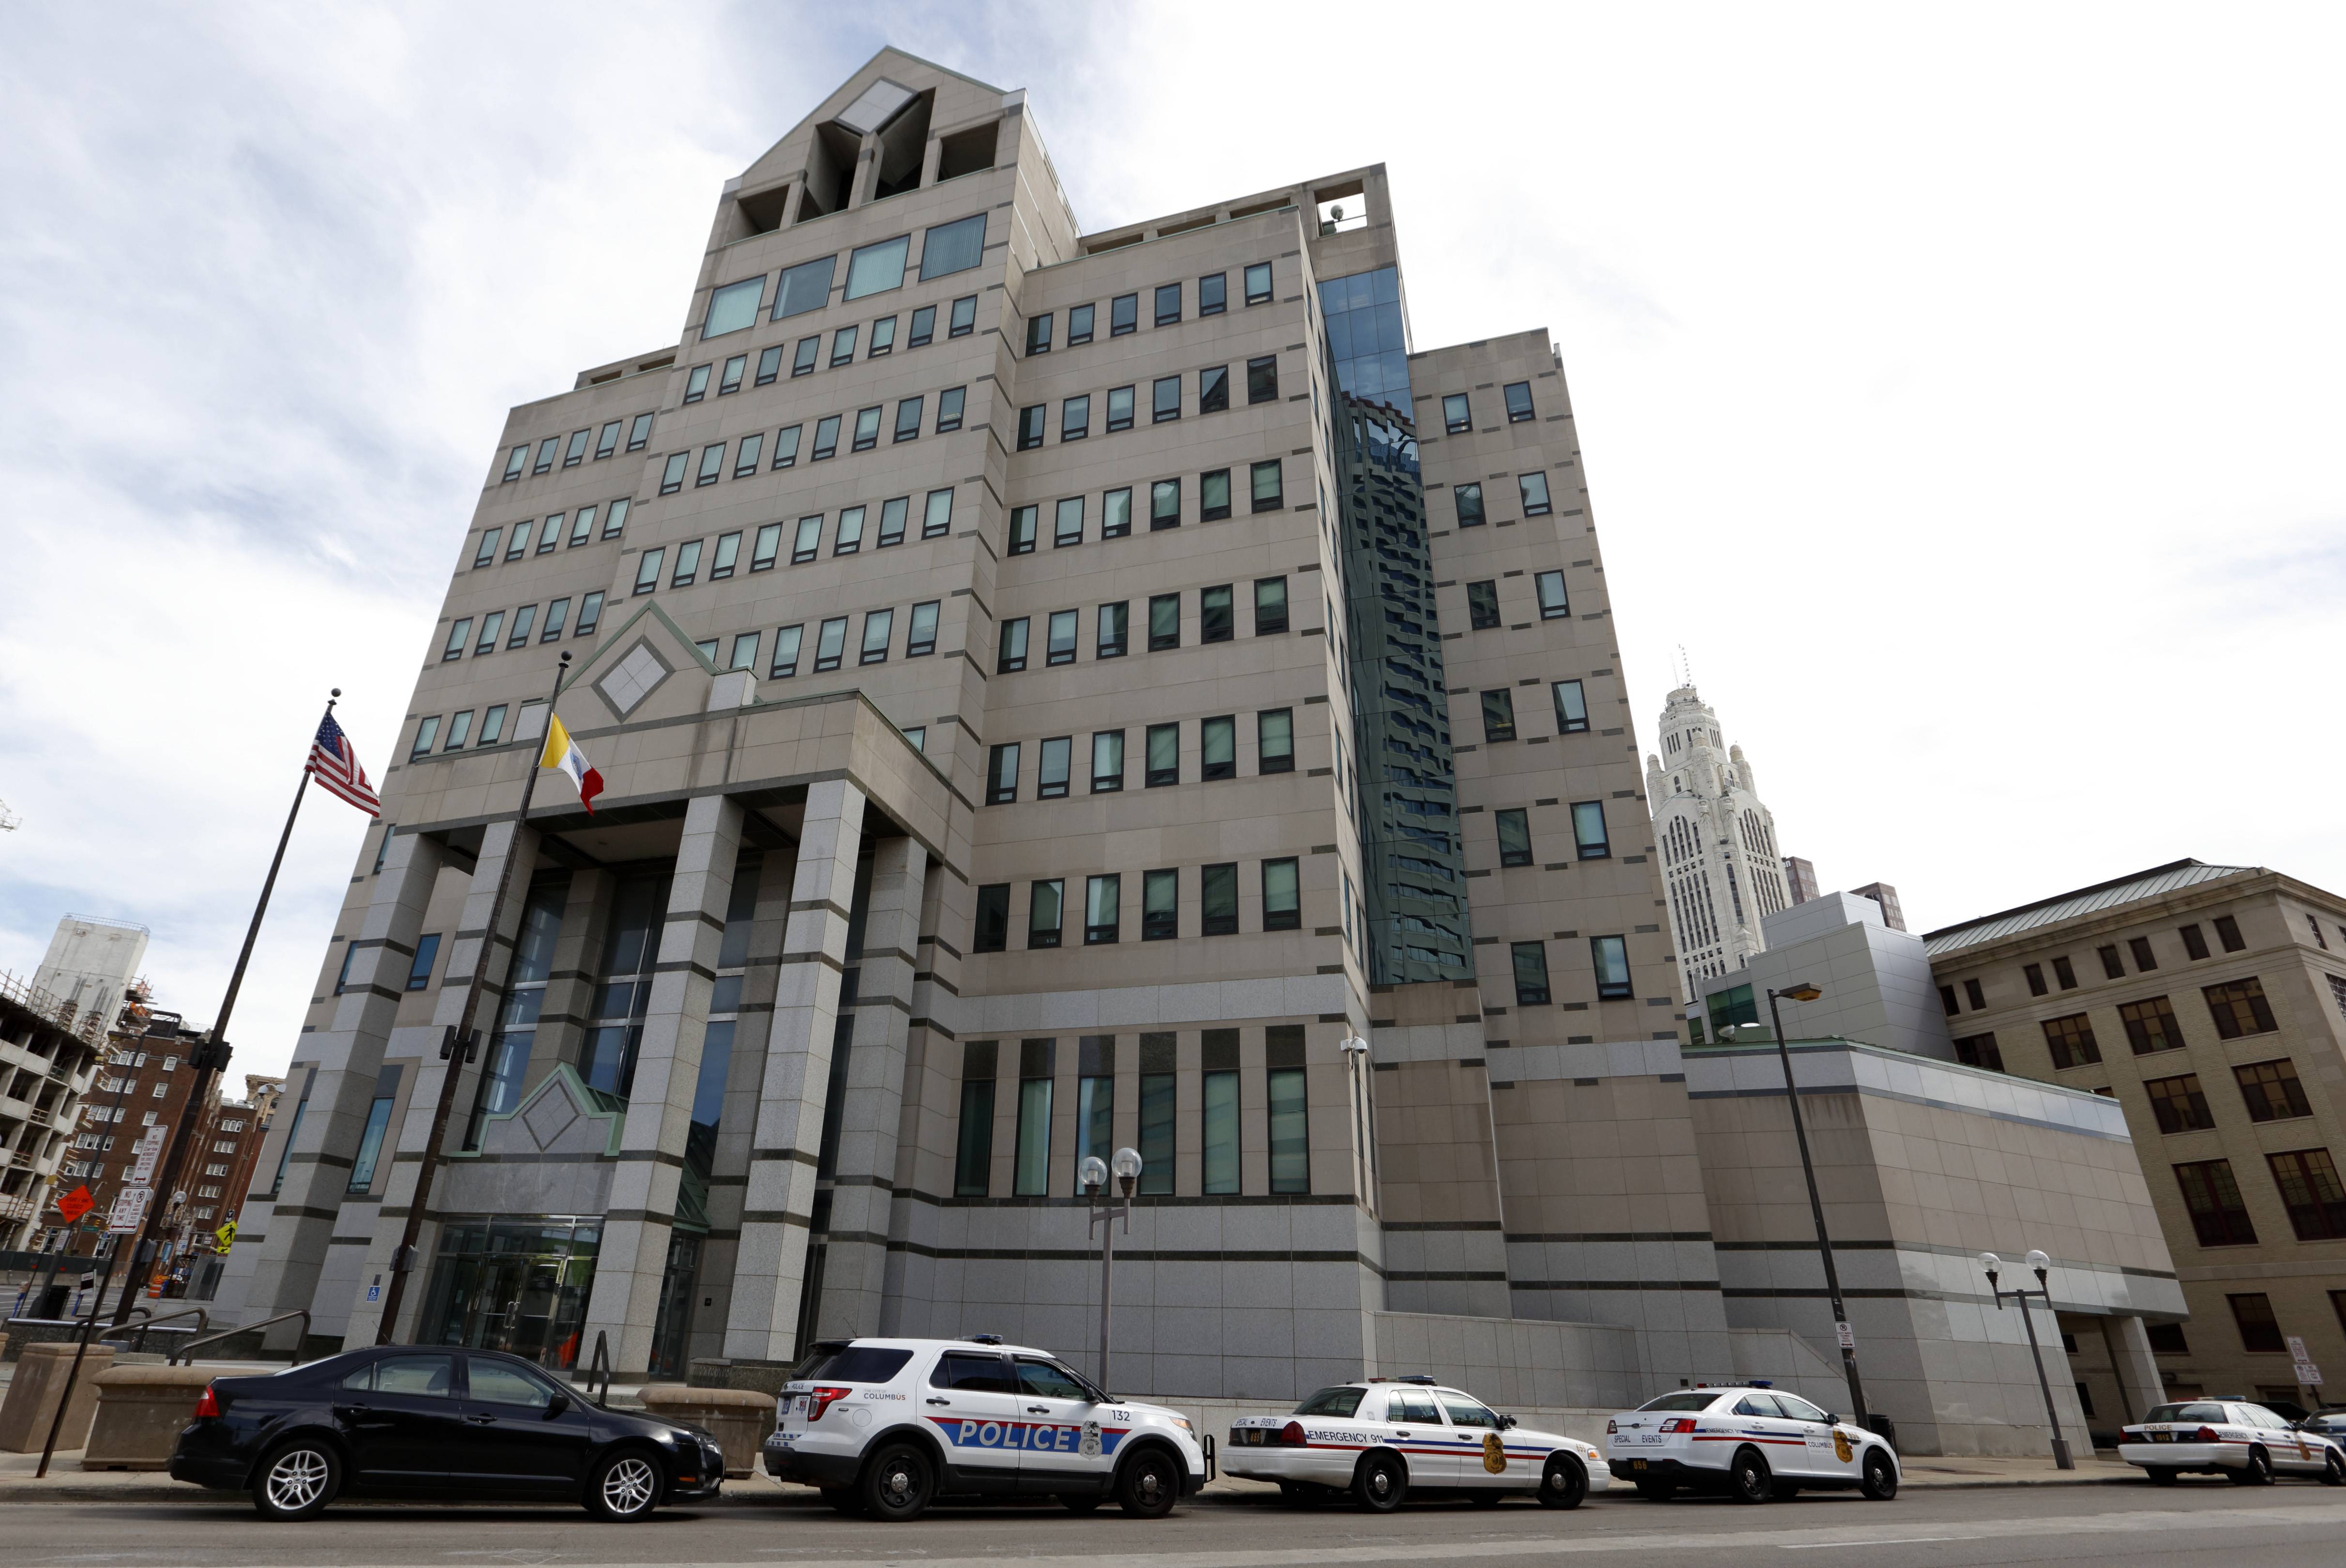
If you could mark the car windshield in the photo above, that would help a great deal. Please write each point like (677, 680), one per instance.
(852, 1364)
(1697, 1400)
(1332, 1402)
(2200, 1412)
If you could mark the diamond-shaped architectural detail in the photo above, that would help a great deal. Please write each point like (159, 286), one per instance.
(632, 679)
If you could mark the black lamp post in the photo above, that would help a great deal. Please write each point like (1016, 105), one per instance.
(1802, 991)
(2040, 1263)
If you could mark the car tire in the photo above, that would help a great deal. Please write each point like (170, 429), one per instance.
(1379, 1482)
(1564, 1482)
(624, 1488)
(297, 1480)
(2258, 1471)
(898, 1483)
(1748, 1477)
(1149, 1485)
(1080, 1502)
(2160, 1475)
(842, 1500)
(1656, 1490)
(2333, 1474)
(1878, 1478)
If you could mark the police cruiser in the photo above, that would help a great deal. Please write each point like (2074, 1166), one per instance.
(1752, 1443)
(1383, 1437)
(886, 1427)
(2232, 1438)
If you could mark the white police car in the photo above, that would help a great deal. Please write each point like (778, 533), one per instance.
(2231, 1438)
(1753, 1443)
(1381, 1438)
(884, 1427)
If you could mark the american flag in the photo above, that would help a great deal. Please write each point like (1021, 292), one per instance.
(337, 769)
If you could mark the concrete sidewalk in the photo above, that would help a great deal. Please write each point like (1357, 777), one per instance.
(68, 1483)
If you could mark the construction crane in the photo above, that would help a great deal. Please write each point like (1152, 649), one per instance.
(7, 819)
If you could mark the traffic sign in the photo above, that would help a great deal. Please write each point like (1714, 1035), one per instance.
(1846, 1335)
(150, 1149)
(76, 1204)
(129, 1210)
(226, 1236)
(2309, 1376)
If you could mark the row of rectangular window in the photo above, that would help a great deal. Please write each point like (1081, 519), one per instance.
(1217, 622)
(805, 539)
(606, 443)
(1458, 413)
(1266, 491)
(1589, 840)
(2272, 1092)
(525, 620)
(2238, 1008)
(1570, 702)
(1160, 906)
(1161, 756)
(531, 537)
(1483, 601)
(831, 642)
(873, 268)
(1165, 403)
(1609, 956)
(1531, 491)
(807, 356)
(2310, 1193)
(1124, 310)
(427, 946)
(2146, 959)
(862, 436)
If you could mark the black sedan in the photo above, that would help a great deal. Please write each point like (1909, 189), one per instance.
(405, 1419)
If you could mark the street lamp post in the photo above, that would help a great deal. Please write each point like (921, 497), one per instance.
(1802, 991)
(2040, 1263)
(1105, 1212)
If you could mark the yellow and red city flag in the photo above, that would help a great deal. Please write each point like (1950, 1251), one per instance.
(562, 752)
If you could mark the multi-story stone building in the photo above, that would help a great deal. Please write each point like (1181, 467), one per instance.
(2210, 1001)
(144, 1084)
(1719, 860)
(49, 1054)
(1001, 768)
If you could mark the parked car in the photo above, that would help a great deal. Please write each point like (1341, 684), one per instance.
(419, 1419)
(1381, 1439)
(886, 1427)
(2244, 1441)
(1752, 1443)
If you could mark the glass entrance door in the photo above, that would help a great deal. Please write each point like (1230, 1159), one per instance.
(515, 1283)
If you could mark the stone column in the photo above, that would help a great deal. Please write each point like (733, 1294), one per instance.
(2139, 1383)
(349, 1058)
(855, 1272)
(469, 950)
(778, 1205)
(642, 1216)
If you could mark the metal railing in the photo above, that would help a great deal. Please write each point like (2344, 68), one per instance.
(186, 1353)
(147, 1321)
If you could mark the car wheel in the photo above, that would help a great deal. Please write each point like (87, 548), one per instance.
(1879, 1479)
(1150, 1484)
(1380, 1483)
(296, 1480)
(1080, 1503)
(624, 1488)
(898, 1483)
(1565, 1482)
(2334, 1472)
(1656, 1490)
(1747, 1479)
(2258, 1471)
(2160, 1475)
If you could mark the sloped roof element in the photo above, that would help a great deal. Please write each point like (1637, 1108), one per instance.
(2101, 896)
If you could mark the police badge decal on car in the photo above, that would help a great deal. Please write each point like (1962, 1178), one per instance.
(1495, 1453)
(1840, 1445)
(1090, 1445)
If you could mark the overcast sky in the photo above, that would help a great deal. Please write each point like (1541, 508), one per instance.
(1961, 387)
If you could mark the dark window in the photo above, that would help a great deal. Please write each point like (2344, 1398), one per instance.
(1218, 747)
(1119, 408)
(883, 337)
(2195, 940)
(1164, 622)
(867, 429)
(1116, 513)
(1160, 912)
(1103, 904)
(1217, 900)
(955, 246)
(1262, 379)
(514, 461)
(590, 612)
(1001, 775)
(2309, 1190)
(1456, 417)
(1046, 912)
(1169, 304)
(1030, 426)
(936, 514)
(1213, 294)
(1164, 399)
(2167, 1340)
(2144, 958)
(1062, 645)
(1282, 903)
(1164, 755)
(1269, 606)
(1258, 282)
(1051, 768)
(2260, 1330)
(848, 537)
(949, 408)
(1482, 605)
(1217, 623)
(1107, 761)
(807, 356)
(2179, 1104)
(805, 287)
(1610, 955)
(1519, 401)
(2035, 974)
(1214, 495)
(729, 383)
(973, 1151)
(1515, 837)
(964, 319)
(1123, 314)
(1974, 995)
(829, 644)
(1553, 603)
(1571, 708)
(843, 346)
(1022, 529)
(687, 564)
(1499, 714)
(1214, 388)
(1979, 1051)
(672, 474)
(786, 447)
(2063, 974)
(1534, 487)
(575, 452)
(1012, 655)
(1270, 485)
(826, 438)
(1588, 835)
(640, 434)
(1110, 635)
(419, 970)
(923, 638)
(770, 368)
(1079, 325)
(2219, 1218)
(2228, 931)
(1039, 333)
(787, 640)
(908, 418)
(696, 383)
(1274, 735)
(992, 933)
(2239, 1008)
(925, 328)
(879, 630)
(1531, 974)
(487, 554)
(2071, 1040)
(1075, 418)
(1469, 498)
(2151, 1025)
(2273, 1090)
(712, 465)
(1947, 1000)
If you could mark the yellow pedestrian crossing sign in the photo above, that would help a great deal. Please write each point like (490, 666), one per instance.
(226, 1236)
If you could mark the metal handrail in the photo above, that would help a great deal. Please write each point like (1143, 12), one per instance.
(203, 1322)
(187, 1351)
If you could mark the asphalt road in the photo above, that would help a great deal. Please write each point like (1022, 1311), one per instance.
(2130, 1526)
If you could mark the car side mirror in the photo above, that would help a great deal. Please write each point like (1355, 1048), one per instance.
(1832, 1419)
(1506, 1421)
(555, 1406)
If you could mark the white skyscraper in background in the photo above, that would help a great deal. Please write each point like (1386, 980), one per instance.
(1717, 842)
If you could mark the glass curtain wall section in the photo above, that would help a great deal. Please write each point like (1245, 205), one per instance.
(615, 1029)
(508, 1062)
(1407, 795)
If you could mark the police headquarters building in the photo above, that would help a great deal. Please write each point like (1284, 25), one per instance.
(1052, 690)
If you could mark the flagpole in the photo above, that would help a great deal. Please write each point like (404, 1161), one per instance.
(455, 1046)
(211, 1054)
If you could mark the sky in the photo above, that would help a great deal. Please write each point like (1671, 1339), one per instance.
(1959, 386)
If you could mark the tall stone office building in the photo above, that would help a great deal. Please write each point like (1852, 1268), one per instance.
(1718, 841)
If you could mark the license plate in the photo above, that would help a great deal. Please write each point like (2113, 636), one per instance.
(1636, 1464)
(2162, 1437)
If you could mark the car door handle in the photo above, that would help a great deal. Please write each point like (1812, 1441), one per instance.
(936, 1401)
(479, 1418)
(349, 1412)
(1038, 1409)
(1398, 1434)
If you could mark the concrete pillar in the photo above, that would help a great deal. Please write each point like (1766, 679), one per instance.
(642, 1216)
(867, 171)
(855, 1269)
(2139, 1384)
(349, 1058)
(778, 1205)
(933, 157)
(469, 950)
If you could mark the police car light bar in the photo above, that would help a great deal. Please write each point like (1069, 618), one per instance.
(985, 1339)
(1417, 1378)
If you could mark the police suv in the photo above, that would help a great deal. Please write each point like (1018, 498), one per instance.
(884, 1427)
(1381, 1438)
(2231, 1438)
(1753, 1443)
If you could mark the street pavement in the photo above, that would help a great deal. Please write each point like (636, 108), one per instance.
(2132, 1527)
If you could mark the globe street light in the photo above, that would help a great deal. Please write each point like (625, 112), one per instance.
(2040, 1263)
(1802, 991)
(1105, 1210)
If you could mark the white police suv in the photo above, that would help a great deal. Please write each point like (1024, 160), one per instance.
(1384, 1437)
(1752, 1443)
(884, 1427)
(2231, 1438)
